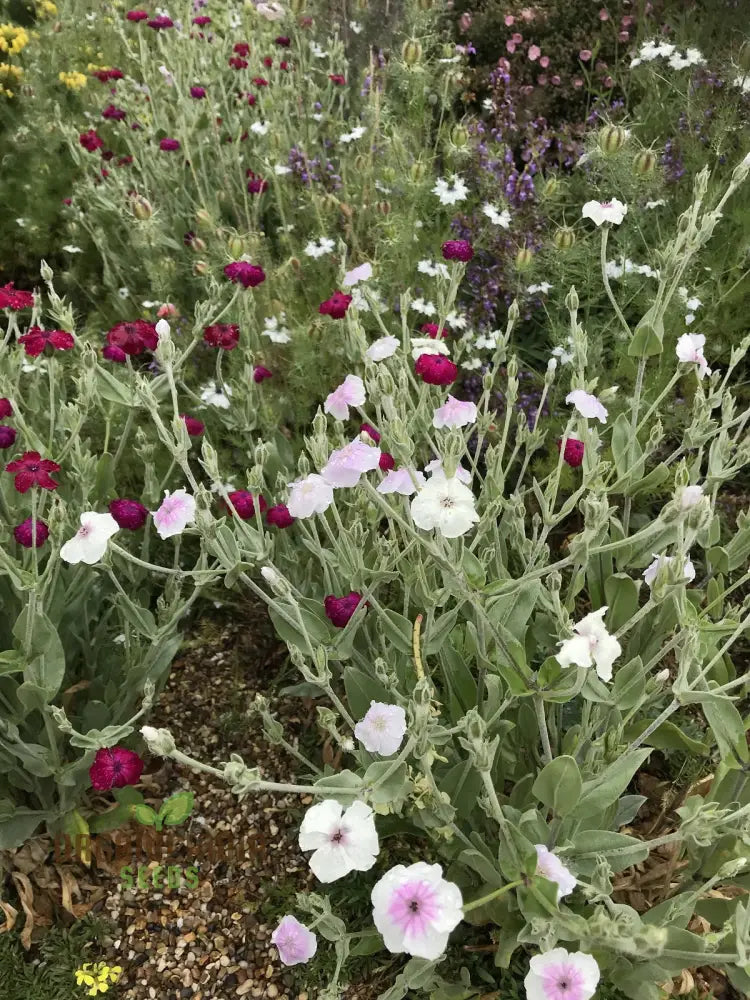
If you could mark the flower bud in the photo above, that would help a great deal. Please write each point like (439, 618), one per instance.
(611, 139)
(141, 208)
(411, 52)
(198, 244)
(524, 259)
(298, 6)
(449, 51)
(235, 246)
(159, 741)
(200, 268)
(203, 218)
(571, 300)
(645, 162)
(46, 271)
(459, 136)
(564, 238)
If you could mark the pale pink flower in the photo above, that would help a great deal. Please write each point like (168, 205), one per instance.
(176, 512)
(534, 52)
(603, 15)
(561, 975)
(510, 46)
(613, 211)
(357, 274)
(544, 62)
(308, 496)
(415, 909)
(341, 841)
(454, 413)
(296, 943)
(584, 55)
(351, 392)
(690, 349)
(381, 349)
(587, 405)
(345, 465)
(555, 80)
(404, 481)
(662, 563)
(549, 865)
(382, 729)
(509, 20)
(435, 468)
(166, 311)
(516, 38)
(542, 79)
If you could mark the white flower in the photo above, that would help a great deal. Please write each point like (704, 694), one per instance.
(428, 345)
(72, 249)
(561, 975)
(274, 331)
(351, 392)
(319, 247)
(690, 496)
(317, 51)
(162, 330)
(454, 413)
(544, 287)
(426, 308)
(415, 909)
(346, 465)
(456, 321)
(168, 78)
(356, 27)
(497, 217)
(435, 468)
(123, 293)
(89, 543)
(260, 128)
(444, 504)
(308, 496)
(690, 349)
(381, 349)
(655, 204)
(357, 274)
(342, 841)
(433, 269)
(382, 729)
(271, 11)
(356, 133)
(402, 480)
(215, 397)
(549, 865)
(587, 405)
(281, 169)
(564, 354)
(592, 646)
(450, 193)
(176, 512)
(662, 563)
(270, 575)
(605, 211)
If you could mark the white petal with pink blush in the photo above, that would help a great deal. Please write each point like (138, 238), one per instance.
(454, 413)
(415, 909)
(342, 841)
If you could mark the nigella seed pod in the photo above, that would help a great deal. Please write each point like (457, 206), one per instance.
(384, 207)
(142, 208)
(611, 139)
(198, 244)
(200, 268)
(236, 247)
(295, 265)
(459, 136)
(449, 50)
(551, 187)
(298, 6)
(411, 52)
(360, 162)
(645, 162)
(418, 171)
(564, 238)
(524, 259)
(203, 218)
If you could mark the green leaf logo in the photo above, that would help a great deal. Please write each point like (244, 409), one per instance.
(176, 808)
(144, 814)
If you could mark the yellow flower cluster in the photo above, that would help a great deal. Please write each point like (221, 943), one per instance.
(45, 8)
(8, 75)
(73, 80)
(97, 976)
(13, 38)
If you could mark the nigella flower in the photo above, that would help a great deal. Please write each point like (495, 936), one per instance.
(591, 646)
(573, 453)
(89, 543)
(587, 405)
(193, 426)
(457, 250)
(224, 335)
(662, 564)
(605, 211)
(436, 370)
(241, 272)
(346, 465)
(33, 470)
(404, 481)
(319, 247)
(7, 436)
(450, 193)
(176, 512)
(446, 505)
(454, 413)
(382, 729)
(31, 535)
(279, 516)
(561, 975)
(169, 145)
(115, 767)
(340, 609)
(90, 140)
(261, 373)
(336, 306)
(351, 392)
(415, 909)
(36, 339)
(246, 504)
(690, 350)
(381, 349)
(497, 218)
(129, 514)
(308, 496)
(549, 865)
(342, 841)
(295, 942)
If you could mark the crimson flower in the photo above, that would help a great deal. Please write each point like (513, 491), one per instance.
(113, 113)
(237, 63)
(243, 273)
(336, 306)
(284, 41)
(386, 462)
(115, 354)
(6, 408)
(256, 185)
(340, 609)
(260, 81)
(458, 250)
(198, 92)
(337, 78)
(7, 436)
(115, 767)
(434, 369)
(161, 22)
(202, 20)
(279, 516)
(573, 453)
(14, 299)
(431, 329)
(129, 514)
(246, 504)
(90, 140)
(169, 145)
(260, 374)
(194, 426)
(225, 335)
(241, 48)
(37, 339)
(132, 338)
(370, 431)
(33, 470)
(136, 15)
(25, 534)
(283, 64)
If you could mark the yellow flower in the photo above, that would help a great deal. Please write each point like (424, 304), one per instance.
(97, 977)
(45, 8)
(13, 38)
(10, 73)
(73, 80)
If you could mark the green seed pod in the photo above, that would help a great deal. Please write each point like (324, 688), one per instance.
(524, 259)
(384, 207)
(418, 171)
(743, 57)
(203, 218)
(611, 139)
(298, 6)
(449, 51)
(411, 52)
(645, 162)
(459, 136)
(564, 238)
(142, 208)
(236, 247)
(360, 162)
(551, 187)
(198, 244)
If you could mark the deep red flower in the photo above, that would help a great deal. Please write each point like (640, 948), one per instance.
(115, 767)
(251, 100)
(573, 453)
(124, 161)
(336, 306)
(283, 64)
(169, 145)
(7, 436)
(458, 250)
(279, 516)
(241, 272)
(107, 155)
(90, 141)
(246, 504)
(202, 20)
(340, 609)
(33, 470)
(434, 369)
(25, 534)
(132, 338)
(14, 299)
(194, 426)
(129, 514)
(284, 41)
(113, 113)
(256, 185)
(267, 62)
(241, 48)
(370, 431)
(238, 63)
(6, 408)
(260, 373)
(161, 22)
(198, 93)
(105, 75)
(115, 354)
(260, 81)
(337, 78)
(136, 15)
(37, 339)
(386, 462)
(225, 335)
(431, 329)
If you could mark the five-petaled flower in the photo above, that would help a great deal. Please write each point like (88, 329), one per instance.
(33, 470)
(295, 942)
(382, 729)
(445, 504)
(587, 405)
(561, 975)
(551, 867)
(591, 646)
(690, 350)
(224, 335)
(36, 339)
(89, 543)
(415, 909)
(115, 767)
(351, 392)
(434, 369)
(336, 306)
(176, 512)
(241, 272)
(342, 841)
(605, 211)
(339, 610)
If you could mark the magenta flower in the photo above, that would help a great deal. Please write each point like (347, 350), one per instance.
(37, 339)
(243, 273)
(115, 767)
(370, 431)
(161, 22)
(336, 306)
(340, 609)
(90, 140)
(6, 408)
(279, 516)
(33, 470)
(202, 20)
(194, 426)
(113, 113)
(129, 514)
(224, 335)
(7, 436)
(284, 41)
(115, 354)
(136, 15)
(169, 145)
(573, 454)
(434, 369)
(25, 534)
(386, 462)
(198, 92)
(458, 250)
(261, 373)
(14, 299)
(432, 330)
(295, 942)
(246, 504)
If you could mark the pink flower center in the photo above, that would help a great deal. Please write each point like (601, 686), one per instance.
(447, 503)
(84, 530)
(563, 982)
(337, 837)
(413, 908)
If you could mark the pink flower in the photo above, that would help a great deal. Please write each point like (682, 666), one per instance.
(573, 453)
(361, 273)
(340, 609)
(346, 465)
(552, 868)
(279, 516)
(415, 909)
(454, 413)
(115, 767)
(542, 79)
(177, 510)
(516, 38)
(243, 273)
(457, 250)
(132, 338)
(562, 975)
(202, 20)
(115, 354)
(555, 80)
(403, 481)
(246, 504)
(25, 535)
(510, 46)
(194, 426)
(224, 335)
(166, 310)
(623, 36)
(584, 55)
(534, 52)
(308, 496)
(336, 306)
(587, 405)
(351, 392)
(169, 145)
(129, 514)
(509, 20)
(577, 82)
(295, 942)
(603, 15)
(544, 62)
(434, 369)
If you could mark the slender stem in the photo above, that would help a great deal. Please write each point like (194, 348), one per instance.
(468, 907)
(543, 732)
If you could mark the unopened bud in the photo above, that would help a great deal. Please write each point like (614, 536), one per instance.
(418, 171)
(611, 139)
(235, 246)
(551, 187)
(159, 741)
(571, 300)
(384, 207)
(203, 218)
(298, 6)
(198, 244)
(200, 268)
